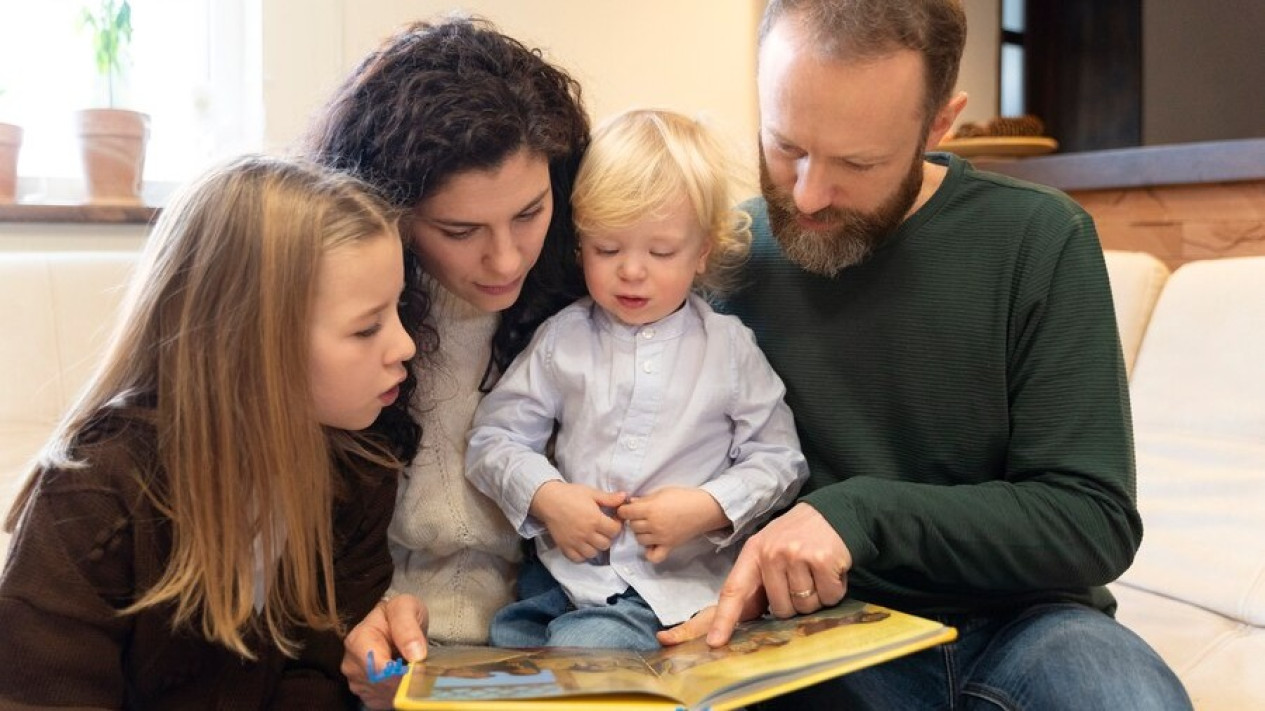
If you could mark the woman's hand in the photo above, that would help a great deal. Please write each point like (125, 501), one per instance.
(396, 624)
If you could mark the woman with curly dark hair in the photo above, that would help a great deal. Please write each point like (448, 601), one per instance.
(478, 138)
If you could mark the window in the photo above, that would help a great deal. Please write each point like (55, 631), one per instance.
(1013, 24)
(194, 69)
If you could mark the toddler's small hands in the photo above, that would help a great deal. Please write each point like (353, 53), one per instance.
(577, 518)
(668, 517)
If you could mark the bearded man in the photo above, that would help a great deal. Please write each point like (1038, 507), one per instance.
(950, 352)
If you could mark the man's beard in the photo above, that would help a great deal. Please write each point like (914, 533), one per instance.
(853, 234)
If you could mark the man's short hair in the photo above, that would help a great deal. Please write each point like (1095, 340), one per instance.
(851, 30)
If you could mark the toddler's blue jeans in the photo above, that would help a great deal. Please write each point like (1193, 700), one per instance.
(545, 617)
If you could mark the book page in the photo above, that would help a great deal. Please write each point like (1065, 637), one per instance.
(451, 676)
(764, 658)
(770, 656)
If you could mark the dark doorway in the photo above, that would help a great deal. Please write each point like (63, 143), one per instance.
(1083, 71)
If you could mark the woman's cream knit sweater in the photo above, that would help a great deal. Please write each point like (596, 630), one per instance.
(452, 546)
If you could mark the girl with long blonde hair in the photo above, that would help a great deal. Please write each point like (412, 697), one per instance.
(211, 515)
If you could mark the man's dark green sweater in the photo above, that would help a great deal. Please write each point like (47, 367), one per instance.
(961, 399)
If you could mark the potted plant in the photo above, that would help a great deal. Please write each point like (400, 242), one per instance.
(112, 139)
(10, 144)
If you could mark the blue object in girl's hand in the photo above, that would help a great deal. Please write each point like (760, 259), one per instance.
(394, 667)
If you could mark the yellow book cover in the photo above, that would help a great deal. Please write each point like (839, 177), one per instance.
(765, 658)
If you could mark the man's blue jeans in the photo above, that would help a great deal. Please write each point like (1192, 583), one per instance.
(1059, 656)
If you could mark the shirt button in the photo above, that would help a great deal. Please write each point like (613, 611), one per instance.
(632, 443)
(648, 366)
(647, 333)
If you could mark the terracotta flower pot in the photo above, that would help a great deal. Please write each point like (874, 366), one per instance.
(113, 145)
(10, 144)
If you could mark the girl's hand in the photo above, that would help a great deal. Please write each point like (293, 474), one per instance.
(396, 624)
(574, 515)
(671, 516)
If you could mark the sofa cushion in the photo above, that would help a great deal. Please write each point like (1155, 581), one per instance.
(1136, 281)
(1196, 590)
(1217, 658)
(59, 311)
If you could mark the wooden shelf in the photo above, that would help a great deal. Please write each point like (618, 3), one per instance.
(79, 214)
(1000, 146)
(1175, 164)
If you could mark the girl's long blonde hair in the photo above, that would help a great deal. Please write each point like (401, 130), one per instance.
(214, 330)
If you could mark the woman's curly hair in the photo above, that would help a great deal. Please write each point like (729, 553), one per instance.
(438, 99)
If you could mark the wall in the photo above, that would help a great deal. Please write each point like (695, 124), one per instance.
(696, 57)
(978, 75)
(302, 60)
(1203, 66)
(58, 237)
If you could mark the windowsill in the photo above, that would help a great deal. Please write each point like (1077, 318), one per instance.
(62, 200)
(79, 214)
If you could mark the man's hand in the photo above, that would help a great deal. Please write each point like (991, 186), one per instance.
(700, 623)
(798, 560)
(396, 624)
(574, 515)
(671, 516)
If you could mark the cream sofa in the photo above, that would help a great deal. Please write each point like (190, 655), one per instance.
(58, 311)
(1197, 356)
(1196, 590)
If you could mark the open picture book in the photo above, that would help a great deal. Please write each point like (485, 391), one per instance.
(765, 658)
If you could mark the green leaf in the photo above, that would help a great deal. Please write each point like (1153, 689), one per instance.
(111, 28)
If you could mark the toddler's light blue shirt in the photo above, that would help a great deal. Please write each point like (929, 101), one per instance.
(686, 401)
